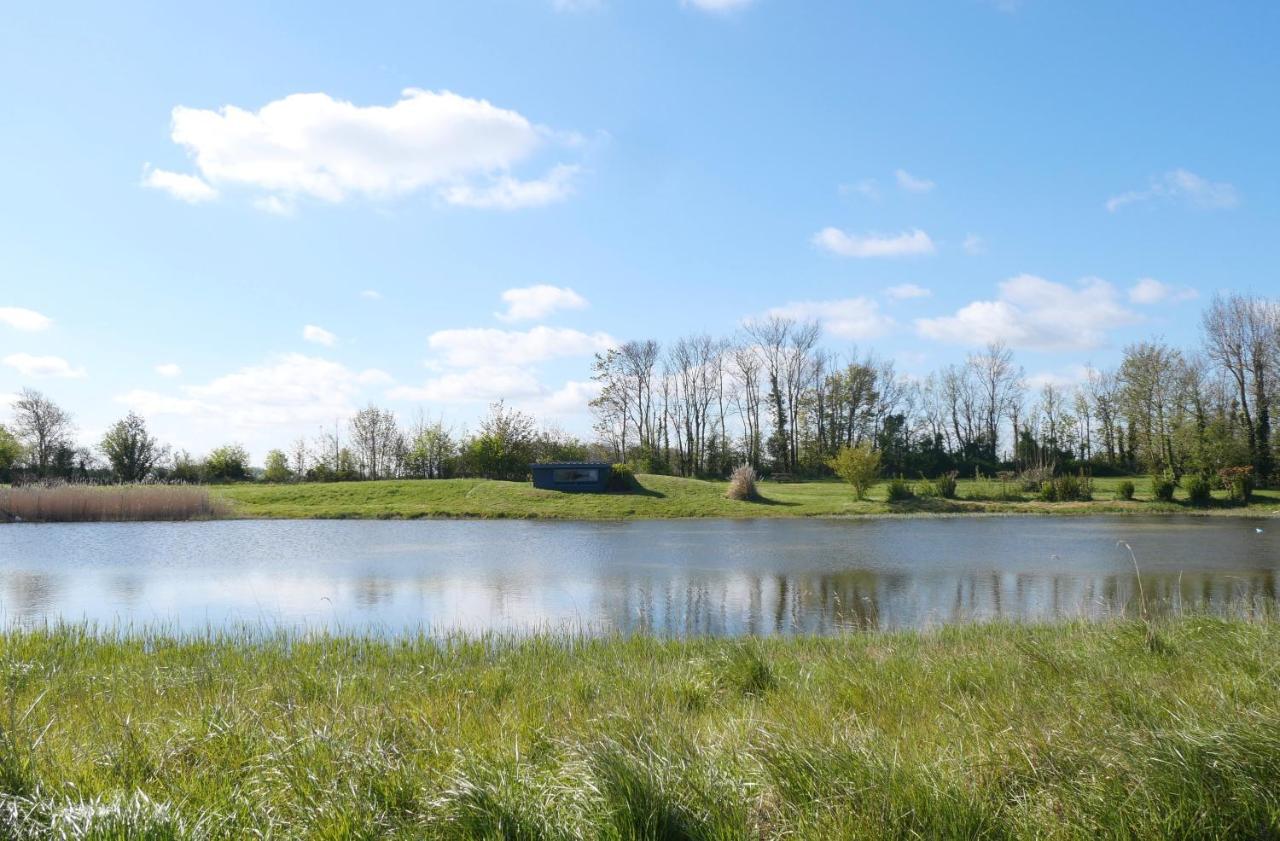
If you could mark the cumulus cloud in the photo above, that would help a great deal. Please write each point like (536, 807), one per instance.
(312, 145)
(188, 188)
(319, 336)
(23, 319)
(847, 318)
(479, 347)
(911, 183)
(169, 369)
(530, 303)
(1148, 290)
(1036, 314)
(43, 366)
(290, 389)
(482, 384)
(906, 291)
(1063, 380)
(906, 244)
(1181, 186)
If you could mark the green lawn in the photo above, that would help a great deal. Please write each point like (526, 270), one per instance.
(1073, 731)
(663, 496)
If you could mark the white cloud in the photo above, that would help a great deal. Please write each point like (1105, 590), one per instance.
(275, 205)
(481, 384)
(906, 244)
(480, 347)
(1063, 380)
(24, 319)
(974, 245)
(530, 303)
(188, 188)
(312, 145)
(573, 398)
(169, 369)
(1033, 313)
(911, 183)
(374, 376)
(717, 6)
(507, 193)
(371, 295)
(847, 318)
(1148, 290)
(1186, 187)
(318, 335)
(42, 366)
(906, 291)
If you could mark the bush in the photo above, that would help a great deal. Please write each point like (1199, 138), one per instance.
(1199, 491)
(1125, 490)
(742, 484)
(1067, 488)
(900, 490)
(944, 486)
(1238, 483)
(622, 479)
(859, 466)
(1034, 479)
(1162, 488)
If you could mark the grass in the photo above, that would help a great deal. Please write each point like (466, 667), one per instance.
(89, 503)
(667, 496)
(1113, 730)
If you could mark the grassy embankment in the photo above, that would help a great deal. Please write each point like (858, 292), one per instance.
(1076, 731)
(666, 496)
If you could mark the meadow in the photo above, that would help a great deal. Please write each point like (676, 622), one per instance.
(669, 496)
(1112, 730)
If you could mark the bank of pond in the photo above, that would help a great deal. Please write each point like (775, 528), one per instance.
(1119, 729)
(652, 497)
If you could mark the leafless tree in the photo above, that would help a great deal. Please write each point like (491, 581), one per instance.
(43, 427)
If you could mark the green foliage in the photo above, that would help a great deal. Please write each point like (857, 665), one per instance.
(130, 450)
(10, 453)
(276, 467)
(1125, 489)
(622, 479)
(1162, 488)
(899, 490)
(1067, 488)
(228, 463)
(1199, 491)
(186, 468)
(859, 466)
(505, 446)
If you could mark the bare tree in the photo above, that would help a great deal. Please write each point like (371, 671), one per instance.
(376, 439)
(44, 428)
(1242, 337)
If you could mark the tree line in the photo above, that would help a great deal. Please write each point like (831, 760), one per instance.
(773, 399)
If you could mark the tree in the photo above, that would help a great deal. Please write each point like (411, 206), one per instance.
(859, 466)
(10, 454)
(44, 429)
(377, 443)
(505, 446)
(1242, 337)
(228, 463)
(131, 452)
(276, 467)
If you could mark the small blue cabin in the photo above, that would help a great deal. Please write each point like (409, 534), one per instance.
(576, 476)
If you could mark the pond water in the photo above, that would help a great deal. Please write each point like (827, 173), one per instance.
(670, 577)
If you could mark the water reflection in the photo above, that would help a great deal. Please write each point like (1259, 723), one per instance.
(682, 578)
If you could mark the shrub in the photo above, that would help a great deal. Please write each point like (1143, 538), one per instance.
(944, 486)
(1067, 488)
(622, 479)
(1125, 490)
(1034, 479)
(1238, 483)
(900, 490)
(1199, 491)
(1162, 488)
(859, 466)
(742, 484)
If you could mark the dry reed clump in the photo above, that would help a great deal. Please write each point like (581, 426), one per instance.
(116, 503)
(742, 484)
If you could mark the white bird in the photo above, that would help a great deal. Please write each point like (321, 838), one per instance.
(1259, 531)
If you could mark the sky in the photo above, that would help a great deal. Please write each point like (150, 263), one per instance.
(246, 220)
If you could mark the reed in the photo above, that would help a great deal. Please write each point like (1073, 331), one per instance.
(69, 503)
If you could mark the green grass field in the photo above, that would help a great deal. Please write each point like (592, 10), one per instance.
(666, 496)
(1075, 731)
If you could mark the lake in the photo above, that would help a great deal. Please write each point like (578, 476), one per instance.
(679, 577)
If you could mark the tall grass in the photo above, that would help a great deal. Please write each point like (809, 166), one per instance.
(995, 731)
(111, 503)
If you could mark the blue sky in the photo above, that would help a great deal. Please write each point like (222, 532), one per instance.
(918, 176)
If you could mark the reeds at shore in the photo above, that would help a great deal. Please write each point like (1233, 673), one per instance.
(71, 503)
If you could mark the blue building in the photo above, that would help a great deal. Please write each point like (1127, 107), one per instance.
(575, 476)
